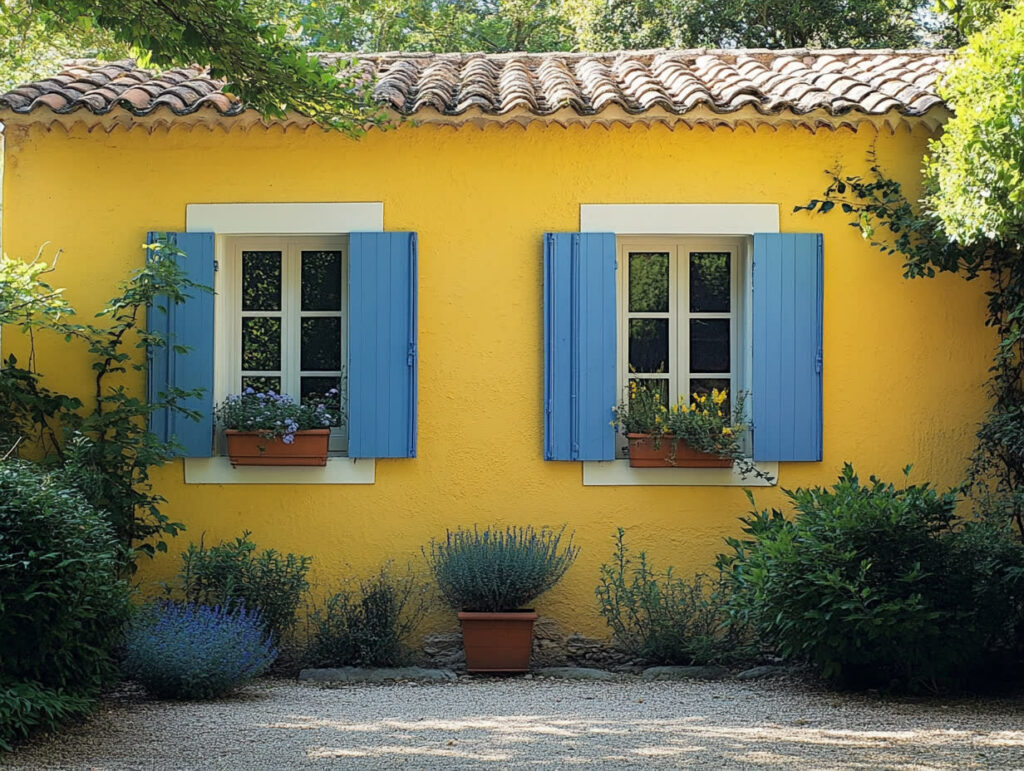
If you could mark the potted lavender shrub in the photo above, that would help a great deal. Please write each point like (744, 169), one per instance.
(488, 576)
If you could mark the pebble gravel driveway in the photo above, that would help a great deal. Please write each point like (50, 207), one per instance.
(538, 723)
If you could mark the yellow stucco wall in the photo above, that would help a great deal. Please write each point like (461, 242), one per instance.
(903, 360)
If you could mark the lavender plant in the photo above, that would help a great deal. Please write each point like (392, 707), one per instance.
(273, 415)
(196, 651)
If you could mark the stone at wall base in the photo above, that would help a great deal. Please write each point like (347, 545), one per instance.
(575, 673)
(684, 673)
(372, 675)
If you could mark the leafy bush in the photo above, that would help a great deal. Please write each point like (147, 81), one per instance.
(27, 707)
(367, 625)
(195, 651)
(62, 603)
(233, 575)
(878, 585)
(663, 618)
(495, 570)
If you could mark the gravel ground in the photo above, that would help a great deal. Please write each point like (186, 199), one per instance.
(500, 723)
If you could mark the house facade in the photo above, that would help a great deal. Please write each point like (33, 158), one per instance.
(485, 279)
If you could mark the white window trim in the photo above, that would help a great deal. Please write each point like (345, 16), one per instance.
(315, 219)
(679, 219)
(279, 219)
(683, 220)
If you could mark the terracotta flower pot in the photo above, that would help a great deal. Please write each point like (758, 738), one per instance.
(498, 642)
(647, 451)
(248, 448)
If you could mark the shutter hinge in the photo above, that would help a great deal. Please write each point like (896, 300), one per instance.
(817, 362)
(411, 357)
(216, 265)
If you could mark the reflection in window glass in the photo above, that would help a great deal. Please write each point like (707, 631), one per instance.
(709, 282)
(321, 344)
(709, 345)
(648, 345)
(261, 343)
(648, 282)
(321, 281)
(261, 281)
(262, 383)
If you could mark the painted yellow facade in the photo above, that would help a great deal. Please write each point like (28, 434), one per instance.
(904, 360)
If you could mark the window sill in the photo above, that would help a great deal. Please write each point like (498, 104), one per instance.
(619, 473)
(338, 471)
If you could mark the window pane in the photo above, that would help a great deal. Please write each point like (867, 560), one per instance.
(658, 386)
(262, 383)
(704, 386)
(648, 282)
(318, 387)
(709, 282)
(261, 281)
(261, 343)
(321, 281)
(648, 345)
(321, 344)
(709, 345)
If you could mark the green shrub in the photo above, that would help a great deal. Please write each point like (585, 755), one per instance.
(62, 603)
(494, 570)
(368, 624)
(665, 619)
(233, 575)
(195, 651)
(27, 707)
(880, 586)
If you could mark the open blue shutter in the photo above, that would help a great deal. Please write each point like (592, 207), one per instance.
(188, 324)
(382, 345)
(787, 340)
(579, 346)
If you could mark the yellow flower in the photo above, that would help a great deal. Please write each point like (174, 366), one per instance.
(726, 431)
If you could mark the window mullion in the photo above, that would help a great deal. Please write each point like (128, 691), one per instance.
(291, 337)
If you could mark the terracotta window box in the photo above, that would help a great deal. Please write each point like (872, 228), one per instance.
(648, 451)
(249, 448)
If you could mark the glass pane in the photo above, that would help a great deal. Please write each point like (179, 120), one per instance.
(658, 386)
(648, 345)
(321, 344)
(261, 343)
(317, 388)
(321, 281)
(261, 281)
(262, 383)
(709, 345)
(705, 385)
(648, 282)
(709, 282)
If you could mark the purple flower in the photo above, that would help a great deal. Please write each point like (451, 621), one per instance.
(288, 438)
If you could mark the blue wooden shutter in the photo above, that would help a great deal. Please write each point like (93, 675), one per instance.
(382, 345)
(188, 324)
(787, 340)
(579, 346)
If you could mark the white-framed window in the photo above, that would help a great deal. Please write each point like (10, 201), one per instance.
(681, 322)
(285, 303)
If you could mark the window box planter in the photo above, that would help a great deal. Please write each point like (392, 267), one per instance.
(649, 451)
(250, 448)
(498, 642)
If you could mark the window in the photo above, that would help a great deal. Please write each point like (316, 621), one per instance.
(680, 319)
(288, 312)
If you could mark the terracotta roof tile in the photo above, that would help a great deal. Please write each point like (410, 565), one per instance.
(771, 82)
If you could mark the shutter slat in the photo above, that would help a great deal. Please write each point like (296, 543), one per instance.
(787, 341)
(187, 324)
(579, 346)
(382, 356)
